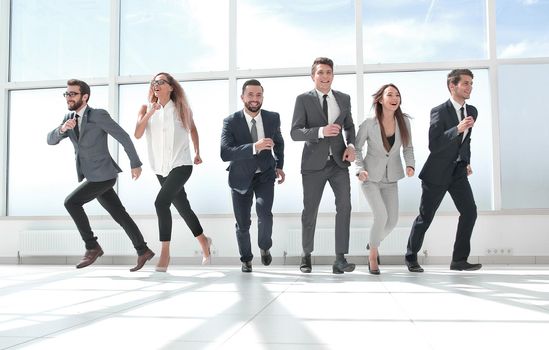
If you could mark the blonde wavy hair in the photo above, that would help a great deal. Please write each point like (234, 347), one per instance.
(179, 98)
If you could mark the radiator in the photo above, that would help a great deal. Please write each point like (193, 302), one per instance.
(69, 242)
(394, 244)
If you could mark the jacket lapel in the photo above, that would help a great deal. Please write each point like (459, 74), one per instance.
(315, 100)
(454, 120)
(243, 125)
(84, 122)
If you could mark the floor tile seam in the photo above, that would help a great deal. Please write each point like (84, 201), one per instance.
(253, 317)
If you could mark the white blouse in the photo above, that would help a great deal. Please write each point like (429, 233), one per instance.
(167, 140)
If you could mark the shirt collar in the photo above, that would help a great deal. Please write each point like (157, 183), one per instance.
(321, 94)
(80, 112)
(249, 117)
(456, 105)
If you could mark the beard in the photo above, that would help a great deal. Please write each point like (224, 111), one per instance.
(253, 109)
(76, 106)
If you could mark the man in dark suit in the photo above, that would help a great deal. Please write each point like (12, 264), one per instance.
(320, 118)
(88, 128)
(248, 140)
(446, 170)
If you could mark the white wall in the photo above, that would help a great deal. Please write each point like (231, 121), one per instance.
(526, 234)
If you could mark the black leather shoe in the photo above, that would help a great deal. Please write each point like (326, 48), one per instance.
(90, 256)
(142, 259)
(413, 266)
(306, 266)
(341, 266)
(246, 266)
(464, 266)
(266, 257)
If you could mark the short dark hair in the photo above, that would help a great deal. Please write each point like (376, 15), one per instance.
(84, 87)
(253, 82)
(321, 60)
(455, 76)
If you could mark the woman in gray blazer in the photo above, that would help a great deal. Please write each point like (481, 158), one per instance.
(379, 165)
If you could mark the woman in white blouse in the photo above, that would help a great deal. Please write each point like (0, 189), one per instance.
(168, 123)
(379, 142)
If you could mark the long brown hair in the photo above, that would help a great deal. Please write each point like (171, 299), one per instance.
(178, 97)
(378, 108)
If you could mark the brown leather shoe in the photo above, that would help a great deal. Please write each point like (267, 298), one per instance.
(90, 256)
(142, 259)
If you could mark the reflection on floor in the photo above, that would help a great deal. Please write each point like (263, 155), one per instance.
(277, 307)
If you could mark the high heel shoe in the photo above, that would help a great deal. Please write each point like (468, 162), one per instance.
(373, 272)
(378, 260)
(162, 268)
(207, 260)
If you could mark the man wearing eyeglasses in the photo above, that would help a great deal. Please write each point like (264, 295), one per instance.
(88, 128)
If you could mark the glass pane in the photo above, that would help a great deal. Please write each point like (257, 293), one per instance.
(288, 33)
(421, 91)
(279, 96)
(173, 36)
(521, 28)
(423, 31)
(40, 175)
(524, 136)
(207, 188)
(59, 39)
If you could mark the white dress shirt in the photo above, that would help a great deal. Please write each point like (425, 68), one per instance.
(167, 140)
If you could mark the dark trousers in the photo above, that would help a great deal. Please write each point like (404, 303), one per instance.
(462, 195)
(173, 192)
(313, 187)
(107, 197)
(242, 207)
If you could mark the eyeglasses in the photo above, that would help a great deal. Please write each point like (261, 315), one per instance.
(159, 82)
(71, 94)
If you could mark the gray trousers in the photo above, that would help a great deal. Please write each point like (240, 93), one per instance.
(313, 187)
(383, 200)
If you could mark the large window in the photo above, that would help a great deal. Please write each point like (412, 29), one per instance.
(173, 36)
(524, 136)
(289, 33)
(58, 39)
(41, 176)
(215, 45)
(423, 31)
(522, 29)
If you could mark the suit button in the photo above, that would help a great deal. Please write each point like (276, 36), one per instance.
(386, 155)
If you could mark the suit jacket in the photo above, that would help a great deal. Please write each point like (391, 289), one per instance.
(446, 144)
(93, 160)
(377, 158)
(308, 118)
(237, 147)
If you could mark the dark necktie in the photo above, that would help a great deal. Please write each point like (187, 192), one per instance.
(461, 114)
(325, 105)
(76, 128)
(253, 131)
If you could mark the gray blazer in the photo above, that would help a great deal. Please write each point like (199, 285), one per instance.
(93, 160)
(377, 159)
(308, 118)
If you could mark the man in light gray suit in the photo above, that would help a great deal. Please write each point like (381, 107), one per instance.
(88, 128)
(320, 117)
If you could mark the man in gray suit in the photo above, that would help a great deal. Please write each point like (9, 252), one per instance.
(320, 117)
(88, 128)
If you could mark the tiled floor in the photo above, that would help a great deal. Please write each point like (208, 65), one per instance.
(190, 307)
